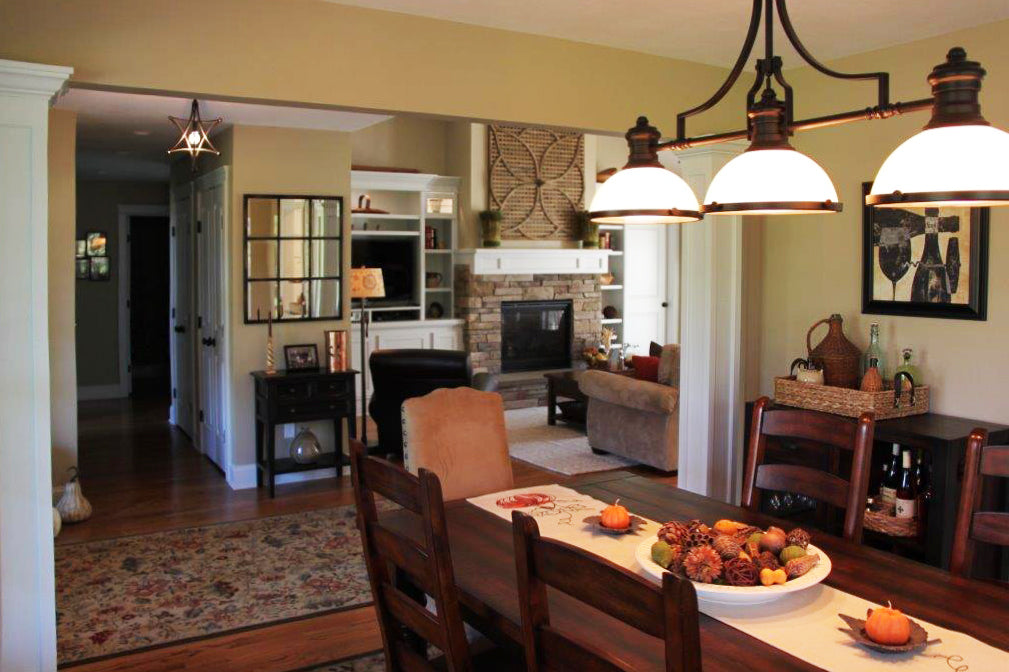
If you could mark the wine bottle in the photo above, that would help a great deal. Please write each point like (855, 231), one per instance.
(906, 497)
(874, 351)
(888, 489)
(931, 278)
(922, 477)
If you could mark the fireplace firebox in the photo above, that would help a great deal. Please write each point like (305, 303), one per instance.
(535, 335)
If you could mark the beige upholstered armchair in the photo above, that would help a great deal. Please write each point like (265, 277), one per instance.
(637, 419)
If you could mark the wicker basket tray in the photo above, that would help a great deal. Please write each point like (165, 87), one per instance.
(851, 403)
(882, 522)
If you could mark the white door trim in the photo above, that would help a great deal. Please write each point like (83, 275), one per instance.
(125, 213)
(27, 573)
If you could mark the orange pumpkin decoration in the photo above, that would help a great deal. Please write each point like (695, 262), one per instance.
(886, 625)
(615, 517)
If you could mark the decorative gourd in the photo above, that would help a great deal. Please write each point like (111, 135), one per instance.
(886, 625)
(615, 517)
(57, 523)
(73, 506)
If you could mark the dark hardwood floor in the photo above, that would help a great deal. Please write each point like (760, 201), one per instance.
(142, 475)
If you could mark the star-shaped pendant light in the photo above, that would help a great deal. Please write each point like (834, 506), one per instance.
(195, 138)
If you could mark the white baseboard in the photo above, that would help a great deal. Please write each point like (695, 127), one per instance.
(243, 476)
(95, 392)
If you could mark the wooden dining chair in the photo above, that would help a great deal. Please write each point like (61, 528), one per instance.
(811, 428)
(972, 525)
(427, 565)
(668, 613)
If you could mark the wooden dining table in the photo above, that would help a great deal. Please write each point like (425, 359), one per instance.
(484, 565)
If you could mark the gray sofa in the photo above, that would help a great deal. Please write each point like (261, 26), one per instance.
(636, 419)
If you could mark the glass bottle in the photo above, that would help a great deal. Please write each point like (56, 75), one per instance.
(891, 478)
(906, 497)
(922, 477)
(908, 365)
(874, 351)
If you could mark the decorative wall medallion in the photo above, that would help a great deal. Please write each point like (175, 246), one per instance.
(537, 180)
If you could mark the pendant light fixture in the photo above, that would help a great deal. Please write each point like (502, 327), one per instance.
(958, 159)
(644, 191)
(195, 138)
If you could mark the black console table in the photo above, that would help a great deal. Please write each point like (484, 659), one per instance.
(301, 396)
(944, 439)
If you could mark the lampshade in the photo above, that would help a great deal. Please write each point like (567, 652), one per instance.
(946, 166)
(366, 283)
(776, 181)
(644, 195)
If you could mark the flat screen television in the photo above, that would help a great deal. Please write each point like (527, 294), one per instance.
(398, 261)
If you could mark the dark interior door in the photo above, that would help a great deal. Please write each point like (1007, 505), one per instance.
(149, 307)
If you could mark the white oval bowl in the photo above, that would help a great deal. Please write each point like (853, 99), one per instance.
(709, 592)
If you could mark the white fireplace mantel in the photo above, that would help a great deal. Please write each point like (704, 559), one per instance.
(526, 260)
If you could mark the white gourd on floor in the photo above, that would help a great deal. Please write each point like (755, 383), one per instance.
(73, 506)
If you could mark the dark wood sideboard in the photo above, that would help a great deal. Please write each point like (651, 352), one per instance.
(944, 439)
(301, 396)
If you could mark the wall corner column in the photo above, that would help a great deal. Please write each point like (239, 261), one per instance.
(27, 577)
(711, 382)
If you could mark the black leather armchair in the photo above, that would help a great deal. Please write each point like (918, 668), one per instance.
(398, 375)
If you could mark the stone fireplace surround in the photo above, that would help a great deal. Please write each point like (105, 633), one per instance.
(478, 304)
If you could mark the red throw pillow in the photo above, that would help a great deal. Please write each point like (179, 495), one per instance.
(646, 368)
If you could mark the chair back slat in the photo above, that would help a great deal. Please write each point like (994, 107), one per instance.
(972, 524)
(804, 481)
(608, 587)
(995, 461)
(559, 653)
(991, 527)
(811, 428)
(427, 562)
(816, 428)
(669, 613)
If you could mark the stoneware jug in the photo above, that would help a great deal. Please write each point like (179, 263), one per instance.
(839, 358)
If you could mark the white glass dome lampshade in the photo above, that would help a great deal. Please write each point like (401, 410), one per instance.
(644, 195)
(966, 166)
(773, 181)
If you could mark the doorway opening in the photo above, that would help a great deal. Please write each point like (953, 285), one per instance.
(147, 306)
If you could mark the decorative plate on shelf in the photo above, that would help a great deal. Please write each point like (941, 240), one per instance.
(725, 594)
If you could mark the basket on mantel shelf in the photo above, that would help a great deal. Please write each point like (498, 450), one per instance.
(848, 402)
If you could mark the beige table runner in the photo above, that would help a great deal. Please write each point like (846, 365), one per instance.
(803, 624)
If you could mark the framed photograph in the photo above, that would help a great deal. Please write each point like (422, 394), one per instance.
(83, 269)
(99, 268)
(300, 357)
(96, 244)
(925, 262)
(82, 249)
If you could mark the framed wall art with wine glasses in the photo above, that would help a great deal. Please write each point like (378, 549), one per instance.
(925, 262)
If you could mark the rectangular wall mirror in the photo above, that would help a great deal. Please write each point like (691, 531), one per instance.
(293, 258)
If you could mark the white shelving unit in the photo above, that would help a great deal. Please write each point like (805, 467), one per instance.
(613, 294)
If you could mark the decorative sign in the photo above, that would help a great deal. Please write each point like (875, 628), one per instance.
(537, 181)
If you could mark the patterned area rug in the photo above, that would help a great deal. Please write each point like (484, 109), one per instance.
(374, 662)
(124, 594)
(559, 448)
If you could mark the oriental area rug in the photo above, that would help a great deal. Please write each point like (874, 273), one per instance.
(131, 593)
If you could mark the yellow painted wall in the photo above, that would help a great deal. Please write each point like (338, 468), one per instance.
(324, 53)
(98, 204)
(277, 161)
(62, 311)
(811, 265)
(404, 141)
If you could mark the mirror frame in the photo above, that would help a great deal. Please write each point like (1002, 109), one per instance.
(246, 239)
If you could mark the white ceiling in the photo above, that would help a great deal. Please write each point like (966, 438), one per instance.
(710, 31)
(127, 135)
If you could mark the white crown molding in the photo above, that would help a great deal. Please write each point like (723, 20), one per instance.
(37, 79)
(391, 181)
(523, 261)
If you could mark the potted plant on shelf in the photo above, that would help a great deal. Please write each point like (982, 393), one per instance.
(588, 229)
(490, 221)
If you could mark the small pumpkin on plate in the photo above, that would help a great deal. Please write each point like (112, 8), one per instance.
(886, 625)
(615, 517)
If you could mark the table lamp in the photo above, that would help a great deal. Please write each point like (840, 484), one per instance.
(365, 283)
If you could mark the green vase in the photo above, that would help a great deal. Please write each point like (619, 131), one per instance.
(491, 232)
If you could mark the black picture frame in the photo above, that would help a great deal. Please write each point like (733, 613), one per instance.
(83, 271)
(97, 244)
(976, 307)
(302, 357)
(100, 268)
(81, 249)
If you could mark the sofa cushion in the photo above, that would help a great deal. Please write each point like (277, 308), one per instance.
(654, 349)
(669, 365)
(646, 368)
(629, 392)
